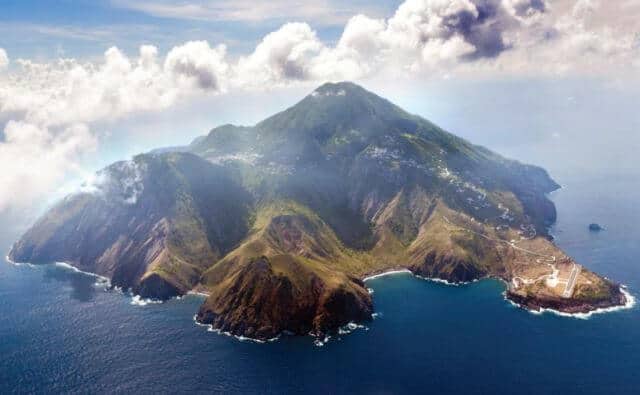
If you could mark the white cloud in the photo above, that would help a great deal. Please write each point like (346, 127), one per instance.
(282, 55)
(49, 109)
(573, 39)
(198, 64)
(69, 91)
(4, 59)
(438, 51)
(361, 34)
(416, 22)
(34, 159)
(525, 10)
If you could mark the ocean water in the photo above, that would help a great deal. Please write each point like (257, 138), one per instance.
(60, 332)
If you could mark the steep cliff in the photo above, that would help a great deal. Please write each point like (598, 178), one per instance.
(279, 221)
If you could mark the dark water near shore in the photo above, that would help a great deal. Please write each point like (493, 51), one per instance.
(61, 333)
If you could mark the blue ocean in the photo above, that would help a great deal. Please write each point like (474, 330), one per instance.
(61, 332)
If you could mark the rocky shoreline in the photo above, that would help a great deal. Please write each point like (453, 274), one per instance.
(281, 222)
(261, 303)
(338, 313)
(569, 306)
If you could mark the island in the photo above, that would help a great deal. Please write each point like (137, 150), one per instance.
(595, 227)
(280, 222)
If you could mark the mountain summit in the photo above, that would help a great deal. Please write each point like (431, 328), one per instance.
(280, 222)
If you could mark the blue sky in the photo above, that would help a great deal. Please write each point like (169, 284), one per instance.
(42, 29)
(84, 83)
(48, 29)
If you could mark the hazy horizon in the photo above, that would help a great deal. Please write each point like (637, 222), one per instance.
(367, 250)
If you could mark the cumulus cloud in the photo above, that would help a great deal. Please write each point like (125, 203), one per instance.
(294, 53)
(284, 54)
(361, 35)
(35, 158)
(48, 109)
(454, 25)
(525, 8)
(422, 34)
(198, 64)
(572, 38)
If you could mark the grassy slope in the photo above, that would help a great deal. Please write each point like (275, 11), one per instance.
(208, 216)
(355, 152)
(289, 228)
(349, 185)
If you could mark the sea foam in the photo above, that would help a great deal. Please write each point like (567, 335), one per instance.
(350, 327)
(210, 328)
(10, 261)
(403, 271)
(388, 273)
(137, 300)
(67, 266)
(446, 282)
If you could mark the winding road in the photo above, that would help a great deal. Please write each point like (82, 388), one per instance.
(551, 259)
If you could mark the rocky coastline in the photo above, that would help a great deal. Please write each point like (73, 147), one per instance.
(280, 223)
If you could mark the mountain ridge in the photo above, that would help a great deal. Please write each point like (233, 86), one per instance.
(288, 215)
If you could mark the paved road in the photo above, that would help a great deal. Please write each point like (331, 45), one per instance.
(571, 283)
(550, 260)
(511, 244)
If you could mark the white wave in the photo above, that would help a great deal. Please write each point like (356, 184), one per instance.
(102, 282)
(137, 300)
(350, 327)
(12, 262)
(210, 328)
(18, 264)
(244, 338)
(518, 306)
(321, 342)
(198, 323)
(432, 279)
(370, 290)
(68, 266)
(9, 261)
(388, 273)
(118, 289)
(241, 338)
(446, 282)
